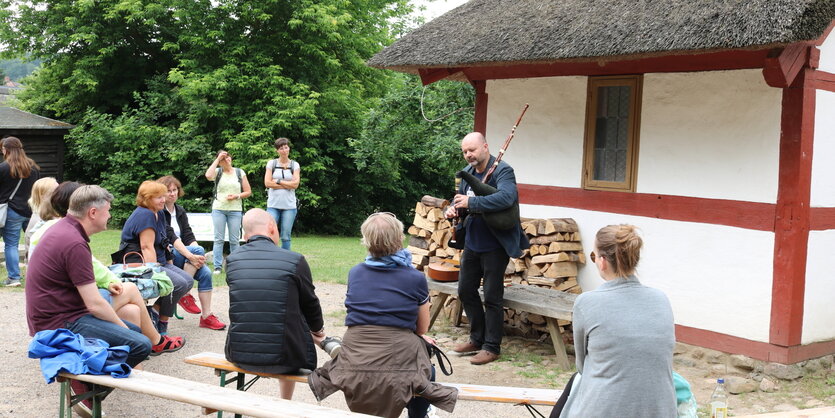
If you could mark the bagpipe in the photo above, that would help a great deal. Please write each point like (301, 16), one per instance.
(504, 219)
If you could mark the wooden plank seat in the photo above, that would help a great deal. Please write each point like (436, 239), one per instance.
(551, 304)
(467, 392)
(190, 392)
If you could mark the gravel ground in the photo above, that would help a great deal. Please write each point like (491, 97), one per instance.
(25, 393)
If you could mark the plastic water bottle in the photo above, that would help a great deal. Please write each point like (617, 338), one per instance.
(719, 401)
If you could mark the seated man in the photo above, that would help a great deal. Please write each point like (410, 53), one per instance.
(272, 307)
(61, 288)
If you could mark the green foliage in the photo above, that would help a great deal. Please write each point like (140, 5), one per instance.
(157, 86)
(403, 155)
(16, 69)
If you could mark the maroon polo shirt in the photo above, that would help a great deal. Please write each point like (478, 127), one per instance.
(62, 262)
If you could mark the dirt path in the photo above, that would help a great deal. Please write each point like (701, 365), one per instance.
(526, 363)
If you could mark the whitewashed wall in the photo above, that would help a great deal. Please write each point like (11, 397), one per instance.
(549, 140)
(827, 62)
(711, 134)
(718, 278)
(823, 155)
(818, 309)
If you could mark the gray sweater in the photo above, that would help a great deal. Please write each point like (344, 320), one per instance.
(623, 337)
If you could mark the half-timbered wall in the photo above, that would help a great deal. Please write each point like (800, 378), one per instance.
(707, 135)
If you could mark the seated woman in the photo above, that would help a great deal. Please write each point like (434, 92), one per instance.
(41, 191)
(623, 336)
(188, 255)
(384, 361)
(124, 297)
(145, 232)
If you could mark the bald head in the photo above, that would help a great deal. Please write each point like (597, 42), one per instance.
(474, 148)
(259, 222)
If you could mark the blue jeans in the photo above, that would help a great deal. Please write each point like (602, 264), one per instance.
(11, 238)
(183, 282)
(284, 218)
(203, 275)
(223, 219)
(89, 326)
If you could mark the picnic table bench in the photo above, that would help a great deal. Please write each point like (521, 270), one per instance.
(551, 304)
(196, 393)
(514, 395)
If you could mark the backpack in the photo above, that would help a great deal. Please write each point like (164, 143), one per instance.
(292, 164)
(217, 179)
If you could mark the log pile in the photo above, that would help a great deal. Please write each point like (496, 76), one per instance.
(553, 257)
(430, 232)
(551, 261)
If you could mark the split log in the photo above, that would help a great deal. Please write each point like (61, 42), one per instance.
(510, 268)
(440, 236)
(556, 247)
(546, 281)
(563, 269)
(421, 209)
(533, 271)
(567, 284)
(546, 239)
(413, 230)
(518, 265)
(435, 215)
(565, 225)
(417, 251)
(418, 242)
(551, 258)
(426, 224)
(434, 202)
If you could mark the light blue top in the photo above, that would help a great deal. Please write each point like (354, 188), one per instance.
(623, 337)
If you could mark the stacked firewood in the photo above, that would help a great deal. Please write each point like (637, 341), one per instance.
(552, 259)
(551, 262)
(430, 232)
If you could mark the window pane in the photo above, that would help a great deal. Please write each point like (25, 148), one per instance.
(611, 133)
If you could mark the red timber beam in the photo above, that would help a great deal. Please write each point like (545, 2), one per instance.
(792, 219)
(480, 120)
(754, 349)
(431, 75)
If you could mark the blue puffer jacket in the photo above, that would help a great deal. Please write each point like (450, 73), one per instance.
(272, 308)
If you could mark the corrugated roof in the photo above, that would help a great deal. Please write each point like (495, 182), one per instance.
(483, 32)
(11, 118)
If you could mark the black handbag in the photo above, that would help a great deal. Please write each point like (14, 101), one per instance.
(437, 353)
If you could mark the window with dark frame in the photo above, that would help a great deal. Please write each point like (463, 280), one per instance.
(612, 125)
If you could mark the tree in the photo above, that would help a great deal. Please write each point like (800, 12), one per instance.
(163, 84)
(406, 156)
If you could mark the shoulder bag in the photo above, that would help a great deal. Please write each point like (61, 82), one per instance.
(4, 207)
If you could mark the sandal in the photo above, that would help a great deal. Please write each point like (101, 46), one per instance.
(168, 344)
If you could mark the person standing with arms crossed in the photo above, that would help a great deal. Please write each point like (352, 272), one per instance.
(281, 180)
(486, 250)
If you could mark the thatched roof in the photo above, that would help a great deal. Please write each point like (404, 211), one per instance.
(11, 118)
(485, 32)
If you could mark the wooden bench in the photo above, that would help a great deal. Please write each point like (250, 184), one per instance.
(551, 304)
(186, 391)
(518, 396)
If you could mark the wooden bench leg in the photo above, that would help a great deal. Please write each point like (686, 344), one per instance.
(559, 345)
(457, 310)
(436, 308)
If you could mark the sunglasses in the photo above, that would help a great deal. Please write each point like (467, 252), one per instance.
(593, 257)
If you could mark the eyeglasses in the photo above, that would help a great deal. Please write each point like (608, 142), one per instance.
(593, 257)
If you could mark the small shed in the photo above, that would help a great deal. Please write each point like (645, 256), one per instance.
(710, 124)
(43, 138)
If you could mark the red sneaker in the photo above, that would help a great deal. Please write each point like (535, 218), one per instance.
(211, 322)
(187, 302)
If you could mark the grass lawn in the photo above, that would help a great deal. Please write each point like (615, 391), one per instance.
(329, 257)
